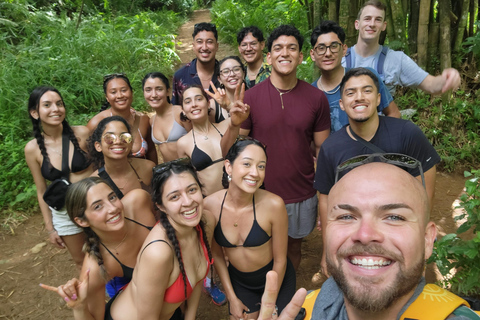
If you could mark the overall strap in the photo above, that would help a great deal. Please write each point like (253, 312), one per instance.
(348, 58)
(381, 60)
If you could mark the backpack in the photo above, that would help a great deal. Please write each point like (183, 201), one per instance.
(350, 60)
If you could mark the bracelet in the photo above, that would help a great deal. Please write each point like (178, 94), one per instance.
(50, 232)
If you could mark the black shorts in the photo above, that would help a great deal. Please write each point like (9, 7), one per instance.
(249, 286)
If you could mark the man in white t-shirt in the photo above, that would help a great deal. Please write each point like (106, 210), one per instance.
(395, 67)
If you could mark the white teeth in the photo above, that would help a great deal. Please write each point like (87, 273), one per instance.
(190, 212)
(360, 107)
(370, 263)
(114, 219)
(250, 181)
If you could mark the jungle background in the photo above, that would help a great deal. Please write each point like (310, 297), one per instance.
(72, 44)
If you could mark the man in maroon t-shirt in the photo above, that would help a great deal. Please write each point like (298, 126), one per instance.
(287, 115)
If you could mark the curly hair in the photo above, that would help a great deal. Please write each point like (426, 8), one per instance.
(285, 30)
(97, 157)
(159, 180)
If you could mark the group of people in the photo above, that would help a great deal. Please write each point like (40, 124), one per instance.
(154, 234)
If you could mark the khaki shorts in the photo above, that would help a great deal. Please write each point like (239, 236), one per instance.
(302, 217)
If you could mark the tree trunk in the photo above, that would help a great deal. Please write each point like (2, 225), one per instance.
(413, 26)
(351, 32)
(433, 36)
(398, 18)
(332, 10)
(390, 26)
(462, 23)
(422, 39)
(80, 15)
(445, 39)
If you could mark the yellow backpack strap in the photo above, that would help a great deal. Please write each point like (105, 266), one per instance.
(309, 302)
(433, 303)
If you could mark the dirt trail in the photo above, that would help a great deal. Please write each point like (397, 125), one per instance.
(21, 270)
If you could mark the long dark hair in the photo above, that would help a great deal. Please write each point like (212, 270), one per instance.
(97, 157)
(33, 104)
(237, 148)
(106, 80)
(183, 116)
(159, 179)
(76, 204)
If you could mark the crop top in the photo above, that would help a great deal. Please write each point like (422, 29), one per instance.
(201, 160)
(143, 148)
(176, 292)
(79, 163)
(176, 133)
(127, 271)
(256, 237)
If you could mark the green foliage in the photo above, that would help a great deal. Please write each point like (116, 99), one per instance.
(453, 128)
(43, 47)
(472, 44)
(458, 259)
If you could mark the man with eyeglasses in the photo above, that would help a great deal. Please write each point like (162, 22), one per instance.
(250, 45)
(287, 115)
(203, 68)
(395, 67)
(328, 43)
(369, 133)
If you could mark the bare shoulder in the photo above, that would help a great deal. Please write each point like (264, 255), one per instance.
(213, 202)
(157, 249)
(82, 133)
(92, 124)
(223, 126)
(31, 147)
(143, 165)
(136, 197)
(269, 199)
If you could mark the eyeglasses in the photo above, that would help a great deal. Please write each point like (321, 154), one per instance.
(253, 45)
(113, 75)
(110, 138)
(321, 49)
(236, 70)
(242, 137)
(397, 159)
(162, 167)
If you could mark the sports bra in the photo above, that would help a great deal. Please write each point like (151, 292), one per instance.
(176, 292)
(256, 237)
(127, 271)
(143, 149)
(176, 133)
(201, 160)
(79, 163)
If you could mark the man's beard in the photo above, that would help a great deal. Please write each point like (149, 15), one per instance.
(368, 297)
(361, 119)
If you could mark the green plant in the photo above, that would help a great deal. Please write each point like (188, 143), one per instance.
(458, 258)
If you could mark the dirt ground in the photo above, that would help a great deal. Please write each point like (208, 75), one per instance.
(21, 270)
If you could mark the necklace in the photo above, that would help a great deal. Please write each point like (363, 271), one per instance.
(205, 137)
(282, 93)
(334, 90)
(120, 243)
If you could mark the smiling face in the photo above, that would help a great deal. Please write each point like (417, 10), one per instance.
(248, 168)
(285, 55)
(119, 149)
(195, 104)
(182, 200)
(251, 49)
(50, 109)
(360, 98)
(104, 211)
(377, 235)
(156, 93)
(205, 46)
(329, 60)
(235, 74)
(371, 24)
(118, 94)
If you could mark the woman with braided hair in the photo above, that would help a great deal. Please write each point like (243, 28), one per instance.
(44, 158)
(115, 231)
(171, 263)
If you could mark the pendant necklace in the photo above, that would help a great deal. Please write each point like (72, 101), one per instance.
(118, 245)
(282, 93)
(205, 137)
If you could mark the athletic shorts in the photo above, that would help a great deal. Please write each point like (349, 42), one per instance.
(249, 286)
(302, 217)
(62, 223)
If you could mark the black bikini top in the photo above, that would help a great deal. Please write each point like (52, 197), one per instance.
(256, 237)
(102, 173)
(201, 160)
(127, 271)
(79, 163)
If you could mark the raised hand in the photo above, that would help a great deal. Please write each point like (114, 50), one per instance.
(219, 95)
(74, 292)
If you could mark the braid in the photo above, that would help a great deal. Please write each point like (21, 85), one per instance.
(38, 136)
(92, 247)
(105, 106)
(207, 245)
(173, 239)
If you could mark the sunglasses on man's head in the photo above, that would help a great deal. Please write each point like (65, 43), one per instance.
(162, 167)
(110, 138)
(398, 159)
